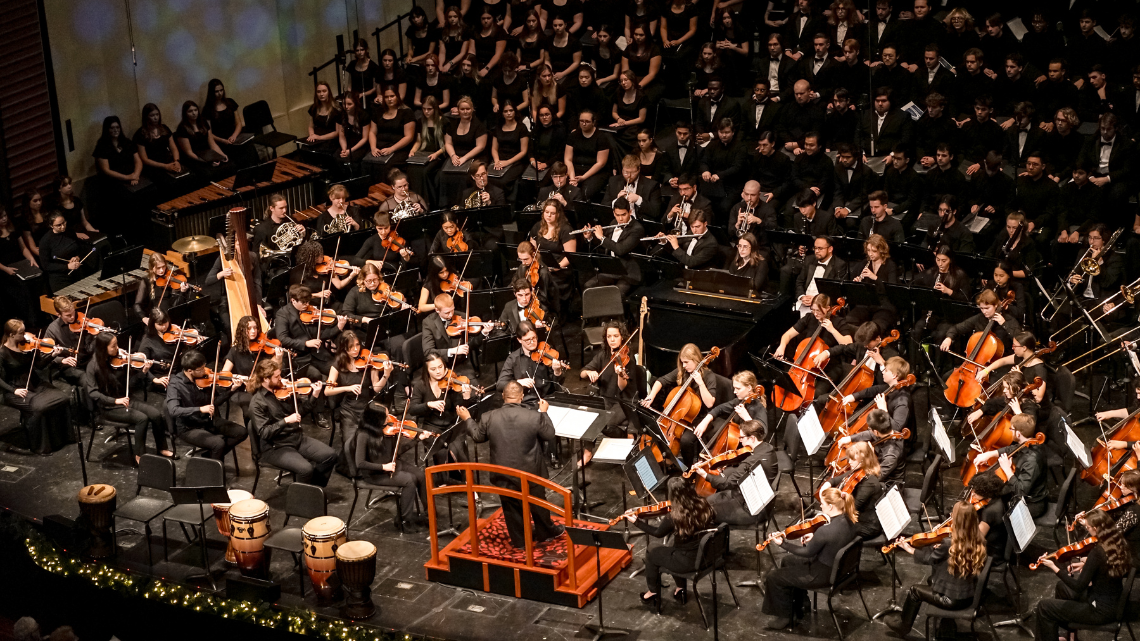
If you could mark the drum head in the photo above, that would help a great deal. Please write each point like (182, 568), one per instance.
(235, 496)
(248, 508)
(355, 550)
(322, 526)
(97, 493)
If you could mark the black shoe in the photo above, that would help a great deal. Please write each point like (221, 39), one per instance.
(419, 519)
(409, 527)
(323, 422)
(780, 623)
(653, 602)
(681, 595)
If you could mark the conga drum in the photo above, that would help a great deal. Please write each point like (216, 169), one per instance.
(249, 527)
(356, 566)
(97, 506)
(323, 536)
(222, 518)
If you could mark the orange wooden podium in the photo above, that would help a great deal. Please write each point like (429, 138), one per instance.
(482, 558)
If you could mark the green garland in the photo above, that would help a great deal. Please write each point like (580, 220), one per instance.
(45, 555)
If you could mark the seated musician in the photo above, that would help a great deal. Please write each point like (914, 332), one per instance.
(734, 411)
(865, 343)
(374, 250)
(403, 202)
(1024, 359)
(957, 562)
(728, 501)
(1091, 595)
(456, 349)
(512, 315)
(810, 560)
(277, 423)
(1026, 470)
(749, 261)
(537, 378)
(950, 230)
(69, 366)
(62, 255)
(449, 226)
(680, 206)
(276, 215)
(752, 215)
(878, 268)
(489, 195)
(880, 222)
(106, 386)
(347, 381)
(150, 295)
(159, 347)
(240, 359)
(1004, 327)
(311, 358)
(551, 235)
(948, 279)
(988, 488)
(329, 285)
(544, 288)
(888, 450)
(1090, 289)
(614, 381)
(340, 217)
(1127, 516)
(642, 193)
(433, 404)
(809, 323)
(703, 383)
(215, 288)
(560, 188)
(437, 274)
(45, 409)
(689, 516)
(378, 463)
(194, 409)
(618, 242)
(823, 263)
(1005, 283)
(701, 250)
(896, 403)
(867, 492)
(1131, 405)
(1020, 253)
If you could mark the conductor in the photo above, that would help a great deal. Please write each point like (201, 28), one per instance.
(517, 435)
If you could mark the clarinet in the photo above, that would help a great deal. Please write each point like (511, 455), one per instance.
(930, 312)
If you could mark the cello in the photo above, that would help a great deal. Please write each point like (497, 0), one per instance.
(858, 422)
(974, 469)
(861, 377)
(682, 406)
(962, 387)
(803, 379)
(1106, 462)
(729, 437)
(998, 433)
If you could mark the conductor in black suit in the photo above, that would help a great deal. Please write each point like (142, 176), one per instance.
(517, 436)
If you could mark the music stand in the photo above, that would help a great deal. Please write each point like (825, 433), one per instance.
(481, 264)
(646, 422)
(350, 243)
(644, 473)
(196, 311)
(591, 213)
(599, 539)
(254, 176)
(600, 263)
(201, 495)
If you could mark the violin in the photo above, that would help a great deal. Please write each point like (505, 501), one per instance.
(656, 509)
(936, 535)
(973, 469)
(32, 343)
(453, 284)
(456, 244)
(797, 531)
(456, 383)
(841, 463)
(533, 312)
(221, 379)
(325, 265)
(174, 334)
(267, 346)
(394, 299)
(393, 242)
(1106, 462)
(681, 407)
(90, 325)
(861, 377)
(983, 348)
(547, 355)
(406, 428)
(710, 465)
(379, 359)
(804, 381)
(176, 282)
(1069, 551)
(302, 386)
(458, 325)
(138, 360)
(1106, 504)
(309, 316)
(532, 271)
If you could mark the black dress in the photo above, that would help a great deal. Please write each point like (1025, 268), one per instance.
(485, 46)
(548, 144)
(157, 150)
(324, 124)
(350, 411)
(15, 292)
(563, 278)
(364, 80)
(200, 145)
(354, 133)
(121, 160)
(464, 143)
(626, 137)
(224, 122)
(442, 83)
(422, 44)
(560, 58)
(390, 131)
(45, 408)
(510, 144)
(566, 10)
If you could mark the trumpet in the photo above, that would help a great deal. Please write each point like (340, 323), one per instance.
(742, 224)
(591, 229)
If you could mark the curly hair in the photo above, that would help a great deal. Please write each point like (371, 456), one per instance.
(967, 547)
(1112, 541)
(691, 513)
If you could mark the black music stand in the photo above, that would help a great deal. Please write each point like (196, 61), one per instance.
(350, 243)
(600, 263)
(980, 267)
(487, 217)
(481, 264)
(201, 496)
(790, 238)
(254, 176)
(644, 474)
(669, 270)
(599, 539)
(575, 401)
(591, 214)
(121, 263)
(652, 228)
(646, 422)
(196, 311)
(903, 252)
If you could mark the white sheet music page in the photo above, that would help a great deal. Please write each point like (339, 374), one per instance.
(570, 422)
(1077, 445)
(1024, 529)
(811, 431)
(941, 437)
(757, 491)
(892, 512)
(613, 450)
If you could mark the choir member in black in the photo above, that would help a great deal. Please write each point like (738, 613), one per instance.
(150, 294)
(106, 386)
(157, 348)
(345, 215)
(489, 195)
(454, 39)
(734, 411)
(12, 251)
(950, 231)
(547, 92)
(749, 261)
(728, 501)
(1090, 596)
(117, 157)
(64, 199)
(518, 436)
(628, 113)
(33, 223)
(545, 288)
(537, 378)
(25, 385)
(392, 75)
(552, 234)
(227, 124)
(490, 43)
(810, 562)
(510, 144)
(241, 359)
(688, 518)
(587, 155)
(512, 315)
(363, 71)
(548, 140)
(435, 86)
(199, 145)
(888, 449)
(356, 385)
(430, 141)
(1027, 470)
(393, 130)
(510, 86)
(277, 423)
(276, 215)
(378, 464)
(62, 254)
(560, 188)
(531, 44)
(615, 382)
(957, 563)
(353, 129)
(434, 404)
(465, 140)
(987, 489)
(373, 250)
(703, 384)
(1004, 326)
(456, 349)
(948, 279)
(623, 237)
(195, 410)
(323, 116)
(157, 149)
(69, 365)
(563, 52)
(586, 94)
(867, 492)
(311, 359)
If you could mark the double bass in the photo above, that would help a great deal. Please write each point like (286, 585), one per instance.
(963, 386)
(835, 413)
(804, 380)
(241, 293)
(682, 406)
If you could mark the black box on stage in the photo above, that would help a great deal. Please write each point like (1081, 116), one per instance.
(244, 588)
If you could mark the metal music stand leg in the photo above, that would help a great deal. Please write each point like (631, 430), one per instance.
(600, 630)
(892, 605)
(450, 521)
(206, 571)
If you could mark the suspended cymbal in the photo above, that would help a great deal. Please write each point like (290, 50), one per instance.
(194, 244)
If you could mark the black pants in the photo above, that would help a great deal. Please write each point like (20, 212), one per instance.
(349, 426)
(410, 480)
(733, 511)
(1053, 613)
(919, 594)
(139, 415)
(218, 439)
(312, 462)
(787, 586)
(544, 528)
(666, 558)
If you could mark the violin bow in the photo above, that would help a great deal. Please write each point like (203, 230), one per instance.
(293, 380)
(169, 278)
(32, 368)
(618, 352)
(174, 358)
(214, 384)
(399, 433)
(82, 328)
(332, 272)
(364, 377)
(127, 393)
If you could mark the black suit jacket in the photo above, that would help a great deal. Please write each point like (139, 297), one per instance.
(293, 333)
(706, 253)
(943, 83)
(674, 167)
(751, 128)
(436, 340)
(628, 241)
(726, 108)
(1034, 144)
(836, 269)
(822, 81)
(1119, 159)
(647, 188)
(517, 435)
(783, 74)
(852, 193)
(569, 192)
(700, 202)
(896, 130)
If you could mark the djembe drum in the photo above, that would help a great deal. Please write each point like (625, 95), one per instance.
(222, 518)
(323, 536)
(356, 567)
(97, 506)
(249, 527)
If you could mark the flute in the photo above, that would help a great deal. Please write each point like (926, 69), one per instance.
(590, 229)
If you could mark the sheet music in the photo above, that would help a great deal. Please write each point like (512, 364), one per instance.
(892, 512)
(1024, 529)
(757, 491)
(978, 223)
(570, 422)
(941, 437)
(1076, 445)
(1017, 28)
(613, 450)
(644, 472)
(913, 110)
(811, 431)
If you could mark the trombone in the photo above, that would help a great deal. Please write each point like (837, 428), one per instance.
(1129, 292)
(1087, 265)
(1124, 344)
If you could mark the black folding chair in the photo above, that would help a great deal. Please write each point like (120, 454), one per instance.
(305, 502)
(155, 472)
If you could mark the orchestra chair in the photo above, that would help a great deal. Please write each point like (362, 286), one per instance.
(1056, 511)
(1119, 618)
(175, 438)
(200, 472)
(114, 315)
(917, 500)
(843, 573)
(787, 468)
(334, 420)
(259, 122)
(969, 613)
(682, 106)
(598, 304)
(712, 553)
(305, 502)
(255, 453)
(99, 421)
(155, 472)
(760, 525)
(392, 491)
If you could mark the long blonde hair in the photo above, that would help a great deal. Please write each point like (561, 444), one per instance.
(864, 454)
(746, 377)
(691, 352)
(835, 498)
(967, 547)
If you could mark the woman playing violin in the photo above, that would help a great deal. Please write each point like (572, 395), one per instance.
(447, 239)
(1023, 464)
(107, 387)
(734, 411)
(1091, 594)
(1127, 515)
(241, 358)
(532, 269)
(379, 249)
(957, 563)
(378, 464)
(46, 410)
(866, 492)
(149, 292)
(703, 384)
(809, 563)
(433, 403)
(552, 233)
(539, 376)
(689, 515)
(729, 500)
(355, 384)
(524, 308)
(437, 274)
(615, 381)
(986, 492)
(361, 303)
(308, 256)
(156, 347)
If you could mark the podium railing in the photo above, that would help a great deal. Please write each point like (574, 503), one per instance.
(471, 485)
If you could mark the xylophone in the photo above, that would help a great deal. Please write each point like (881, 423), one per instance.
(94, 290)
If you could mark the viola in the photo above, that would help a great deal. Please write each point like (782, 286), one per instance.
(797, 531)
(682, 406)
(1106, 462)
(325, 265)
(393, 242)
(533, 312)
(973, 469)
(90, 325)
(710, 465)
(406, 428)
(656, 509)
(221, 379)
(858, 422)
(858, 379)
(532, 271)
(459, 325)
(1080, 548)
(547, 355)
(983, 348)
(804, 381)
(309, 316)
(1105, 505)
(138, 360)
(176, 282)
(456, 244)
(302, 386)
(379, 359)
(175, 334)
(393, 298)
(32, 343)
(453, 284)
(267, 346)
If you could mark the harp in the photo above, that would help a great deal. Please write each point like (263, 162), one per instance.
(241, 291)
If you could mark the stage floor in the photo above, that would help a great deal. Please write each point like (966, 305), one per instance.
(36, 487)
